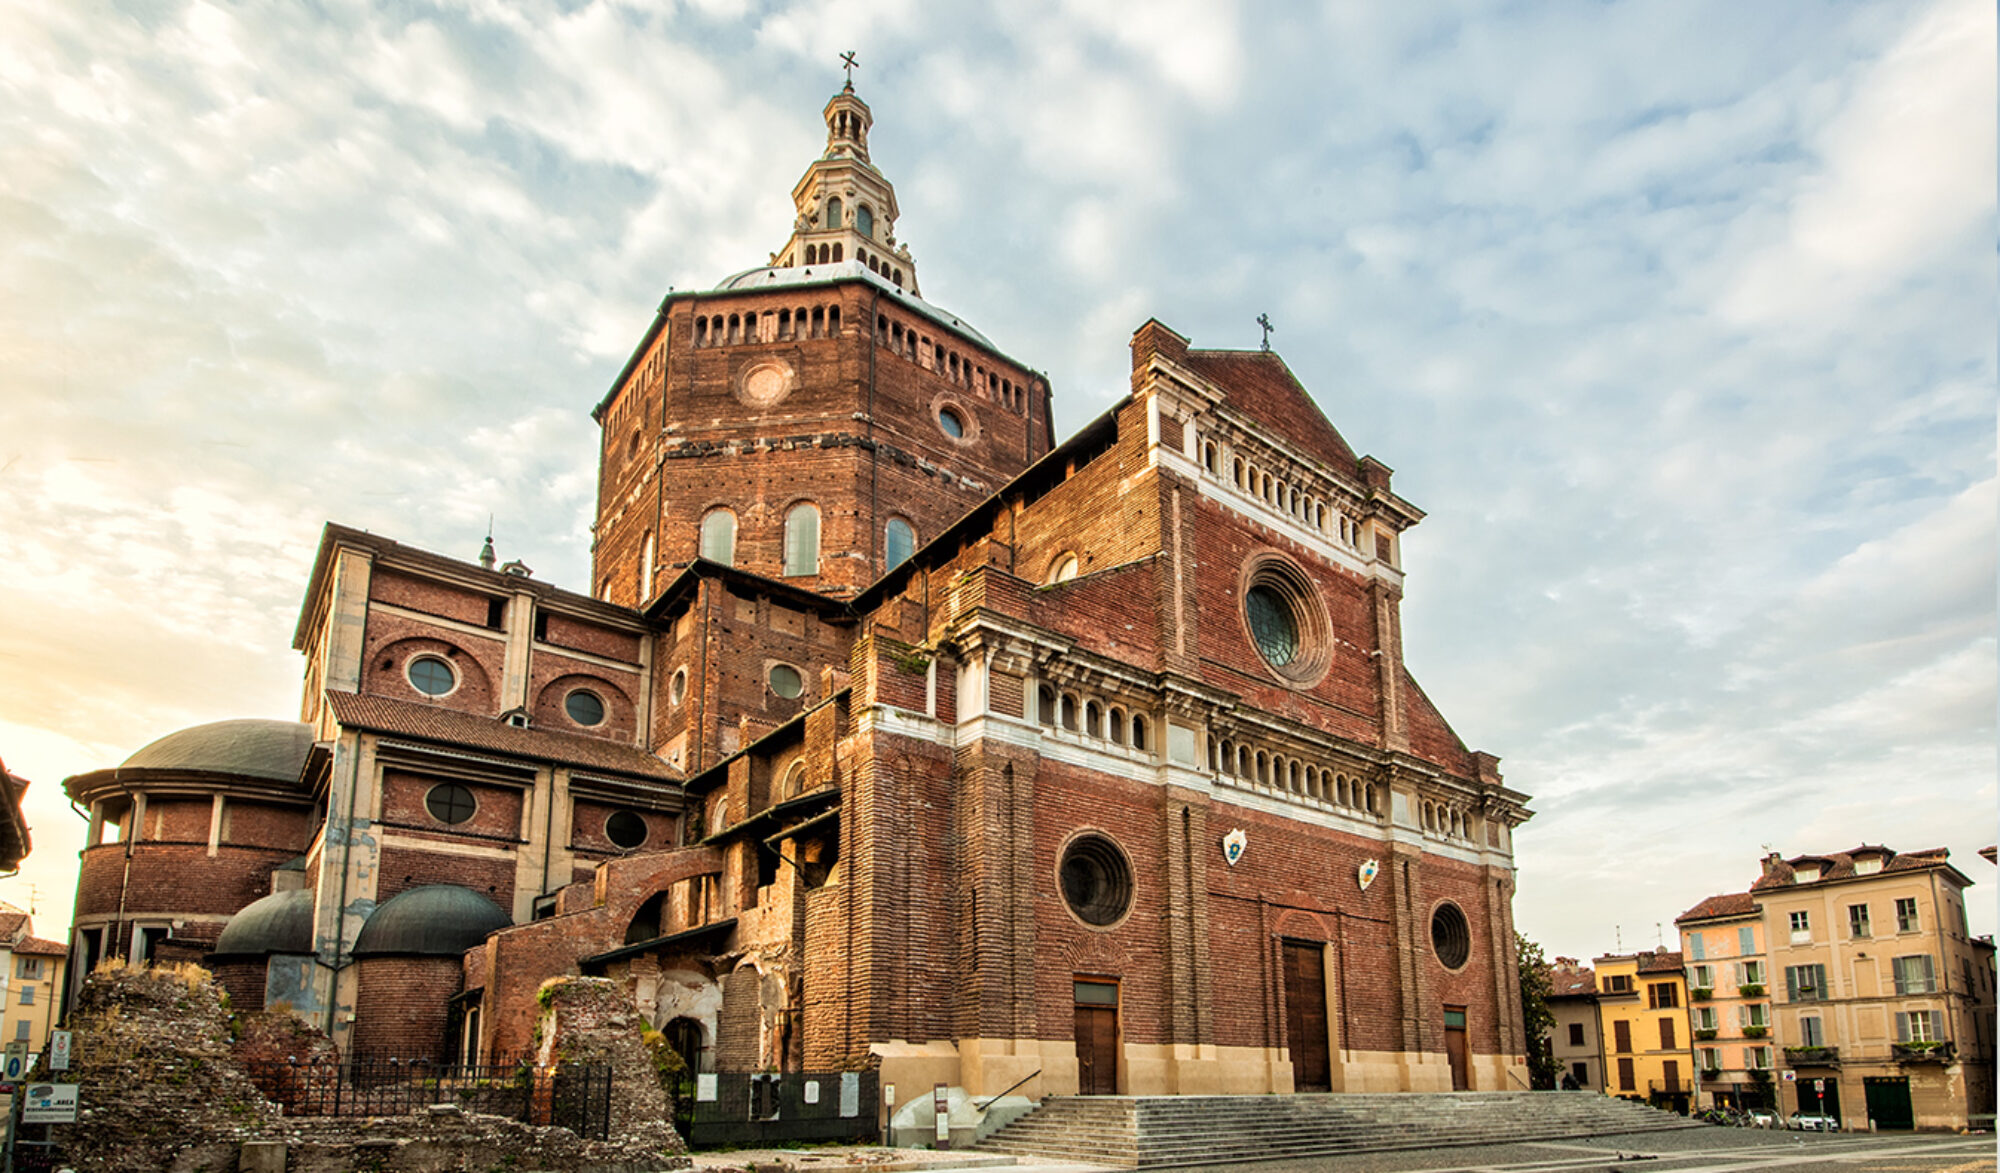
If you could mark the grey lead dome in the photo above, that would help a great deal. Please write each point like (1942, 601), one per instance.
(434, 920)
(248, 748)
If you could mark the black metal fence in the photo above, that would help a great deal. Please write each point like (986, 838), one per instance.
(735, 1108)
(574, 1097)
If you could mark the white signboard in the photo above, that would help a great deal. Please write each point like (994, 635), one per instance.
(50, 1103)
(705, 1089)
(59, 1041)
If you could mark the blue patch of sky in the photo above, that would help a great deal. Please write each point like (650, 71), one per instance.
(560, 180)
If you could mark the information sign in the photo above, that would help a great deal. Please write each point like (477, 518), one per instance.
(50, 1103)
(59, 1042)
(16, 1064)
(941, 1112)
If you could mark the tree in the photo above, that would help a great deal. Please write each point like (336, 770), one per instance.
(1536, 1019)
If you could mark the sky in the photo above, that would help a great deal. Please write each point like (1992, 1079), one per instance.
(1677, 318)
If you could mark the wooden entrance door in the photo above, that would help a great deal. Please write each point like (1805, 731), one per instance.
(1096, 1038)
(1305, 1016)
(1455, 1048)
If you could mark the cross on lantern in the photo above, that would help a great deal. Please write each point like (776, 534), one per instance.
(847, 63)
(1264, 320)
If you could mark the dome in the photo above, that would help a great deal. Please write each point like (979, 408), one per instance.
(250, 748)
(279, 923)
(434, 920)
(772, 277)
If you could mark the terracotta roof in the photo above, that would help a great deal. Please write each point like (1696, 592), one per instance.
(1727, 904)
(1260, 385)
(1839, 865)
(431, 723)
(41, 947)
(1564, 983)
(1659, 963)
(13, 925)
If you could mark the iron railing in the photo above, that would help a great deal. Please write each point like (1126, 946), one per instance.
(573, 1097)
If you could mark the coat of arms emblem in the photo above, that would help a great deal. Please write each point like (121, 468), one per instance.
(1366, 874)
(1233, 846)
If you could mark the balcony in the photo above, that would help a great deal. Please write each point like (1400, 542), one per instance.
(1750, 990)
(1755, 1032)
(1935, 1051)
(1813, 1056)
(1704, 1033)
(1701, 993)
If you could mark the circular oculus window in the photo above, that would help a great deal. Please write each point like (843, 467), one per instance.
(626, 829)
(1451, 937)
(677, 689)
(952, 423)
(764, 383)
(786, 681)
(584, 707)
(1096, 880)
(1286, 621)
(431, 676)
(450, 803)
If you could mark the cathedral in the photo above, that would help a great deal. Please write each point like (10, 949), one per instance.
(889, 733)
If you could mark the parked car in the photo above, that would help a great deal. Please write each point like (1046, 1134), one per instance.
(1813, 1122)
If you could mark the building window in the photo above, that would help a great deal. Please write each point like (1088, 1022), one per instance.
(1755, 1014)
(1857, 920)
(27, 995)
(1576, 1034)
(1810, 1032)
(1915, 975)
(450, 803)
(1801, 928)
(21, 1030)
(833, 212)
(677, 688)
(718, 536)
(1916, 1026)
(1746, 940)
(584, 707)
(1451, 936)
(1667, 1042)
(786, 681)
(1062, 569)
(28, 967)
(1750, 973)
(1702, 977)
(1711, 1059)
(1757, 1058)
(1662, 995)
(1906, 915)
(899, 541)
(1045, 705)
(431, 676)
(1805, 983)
(1096, 881)
(1580, 1072)
(1704, 1018)
(864, 220)
(1627, 1080)
(1696, 949)
(952, 423)
(1287, 625)
(626, 829)
(802, 540)
(1618, 983)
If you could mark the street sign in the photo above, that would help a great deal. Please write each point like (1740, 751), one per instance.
(1819, 1085)
(50, 1103)
(16, 1064)
(1791, 1077)
(59, 1050)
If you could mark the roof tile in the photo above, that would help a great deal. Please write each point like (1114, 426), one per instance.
(431, 723)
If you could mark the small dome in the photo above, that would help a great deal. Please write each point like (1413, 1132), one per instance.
(279, 923)
(434, 920)
(249, 748)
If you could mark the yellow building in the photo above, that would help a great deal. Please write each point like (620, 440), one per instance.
(1642, 1019)
(31, 972)
(1885, 1000)
(1729, 1001)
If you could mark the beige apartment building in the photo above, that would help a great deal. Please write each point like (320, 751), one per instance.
(1729, 1001)
(1575, 1043)
(1884, 1008)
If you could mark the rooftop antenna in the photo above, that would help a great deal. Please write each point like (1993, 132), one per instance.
(486, 557)
(1659, 935)
(1264, 320)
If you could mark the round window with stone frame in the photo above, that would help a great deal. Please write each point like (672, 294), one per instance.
(584, 707)
(1095, 880)
(1451, 936)
(431, 675)
(786, 681)
(450, 804)
(955, 419)
(1286, 621)
(626, 829)
(677, 687)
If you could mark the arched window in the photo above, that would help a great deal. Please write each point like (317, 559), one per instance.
(646, 572)
(1139, 732)
(836, 253)
(802, 540)
(1069, 712)
(864, 220)
(1045, 705)
(1063, 569)
(718, 536)
(1093, 719)
(795, 780)
(899, 541)
(833, 212)
(1114, 725)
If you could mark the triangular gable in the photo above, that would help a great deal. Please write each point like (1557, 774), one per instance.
(1260, 385)
(1431, 736)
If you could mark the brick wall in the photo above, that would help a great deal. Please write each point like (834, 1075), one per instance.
(402, 1006)
(393, 641)
(497, 815)
(401, 869)
(174, 878)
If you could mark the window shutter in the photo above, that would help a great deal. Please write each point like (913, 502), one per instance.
(1746, 940)
(1695, 946)
(1902, 1026)
(1791, 983)
(1929, 972)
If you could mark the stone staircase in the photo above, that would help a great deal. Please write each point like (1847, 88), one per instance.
(1139, 1132)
